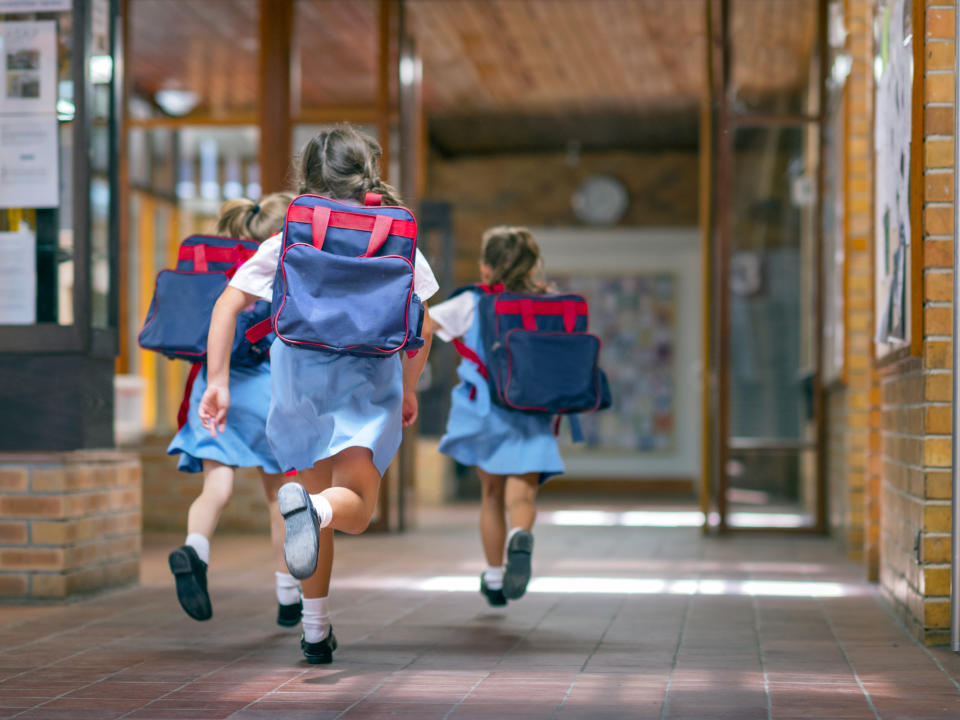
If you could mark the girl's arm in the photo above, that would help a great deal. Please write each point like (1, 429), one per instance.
(412, 369)
(223, 323)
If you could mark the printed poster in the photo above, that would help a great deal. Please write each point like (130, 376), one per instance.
(28, 119)
(892, 134)
(18, 277)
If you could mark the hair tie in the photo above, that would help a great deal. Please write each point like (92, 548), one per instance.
(253, 211)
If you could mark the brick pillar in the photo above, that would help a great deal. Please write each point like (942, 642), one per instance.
(70, 523)
(915, 524)
(938, 280)
(860, 519)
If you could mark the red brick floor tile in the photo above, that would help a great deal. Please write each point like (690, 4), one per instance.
(412, 654)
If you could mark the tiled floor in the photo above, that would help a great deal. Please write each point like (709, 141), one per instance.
(622, 622)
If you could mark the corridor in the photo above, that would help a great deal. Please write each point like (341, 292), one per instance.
(625, 621)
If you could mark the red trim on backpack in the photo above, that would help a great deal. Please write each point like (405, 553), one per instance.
(184, 410)
(492, 289)
(467, 353)
(353, 221)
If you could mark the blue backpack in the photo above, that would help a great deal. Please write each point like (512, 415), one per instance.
(540, 358)
(178, 320)
(344, 279)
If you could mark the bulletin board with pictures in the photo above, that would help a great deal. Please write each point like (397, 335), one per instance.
(895, 210)
(644, 289)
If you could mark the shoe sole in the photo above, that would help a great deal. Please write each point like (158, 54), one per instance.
(517, 574)
(194, 601)
(301, 545)
(292, 622)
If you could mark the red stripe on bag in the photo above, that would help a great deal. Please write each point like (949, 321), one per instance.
(352, 221)
(184, 410)
(542, 307)
(210, 253)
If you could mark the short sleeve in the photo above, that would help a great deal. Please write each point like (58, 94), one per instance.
(424, 282)
(454, 316)
(255, 276)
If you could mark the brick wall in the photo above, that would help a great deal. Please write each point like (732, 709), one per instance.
(70, 523)
(167, 493)
(915, 522)
(536, 189)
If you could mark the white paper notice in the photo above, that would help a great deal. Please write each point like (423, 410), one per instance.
(29, 160)
(22, 6)
(18, 277)
(28, 51)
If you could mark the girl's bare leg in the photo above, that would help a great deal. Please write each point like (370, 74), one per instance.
(493, 526)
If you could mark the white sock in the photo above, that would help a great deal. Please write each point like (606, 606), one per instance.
(200, 544)
(513, 531)
(316, 619)
(324, 510)
(288, 589)
(493, 577)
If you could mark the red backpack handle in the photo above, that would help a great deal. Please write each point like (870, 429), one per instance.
(372, 199)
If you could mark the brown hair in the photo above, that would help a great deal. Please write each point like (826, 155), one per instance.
(513, 256)
(246, 220)
(344, 164)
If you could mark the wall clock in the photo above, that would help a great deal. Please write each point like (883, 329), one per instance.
(600, 200)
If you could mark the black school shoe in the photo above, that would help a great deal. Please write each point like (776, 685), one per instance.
(289, 615)
(319, 653)
(191, 576)
(517, 574)
(301, 545)
(494, 597)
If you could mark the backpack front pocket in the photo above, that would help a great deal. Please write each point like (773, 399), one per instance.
(179, 317)
(348, 304)
(549, 372)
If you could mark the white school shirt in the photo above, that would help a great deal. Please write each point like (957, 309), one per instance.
(255, 276)
(454, 316)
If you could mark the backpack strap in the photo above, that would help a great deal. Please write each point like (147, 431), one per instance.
(202, 255)
(200, 259)
(576, 430)
(256, 333)
(468, 354)
(184, 410)
(478, 288)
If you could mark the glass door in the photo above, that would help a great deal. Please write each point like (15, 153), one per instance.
(765, 468)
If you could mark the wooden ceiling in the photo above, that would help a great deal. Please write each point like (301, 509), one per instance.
(614, 72)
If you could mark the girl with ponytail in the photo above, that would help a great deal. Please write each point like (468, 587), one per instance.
(243, 445)
(335, 419)
(513, 452)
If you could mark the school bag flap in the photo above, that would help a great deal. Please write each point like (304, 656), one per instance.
(179, 316)
(550, 372)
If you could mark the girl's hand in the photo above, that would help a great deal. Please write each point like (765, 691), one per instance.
(213, 408)
(410, 408)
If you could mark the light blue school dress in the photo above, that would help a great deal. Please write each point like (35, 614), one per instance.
(499, 441)
(244, 442)
(321, 404)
